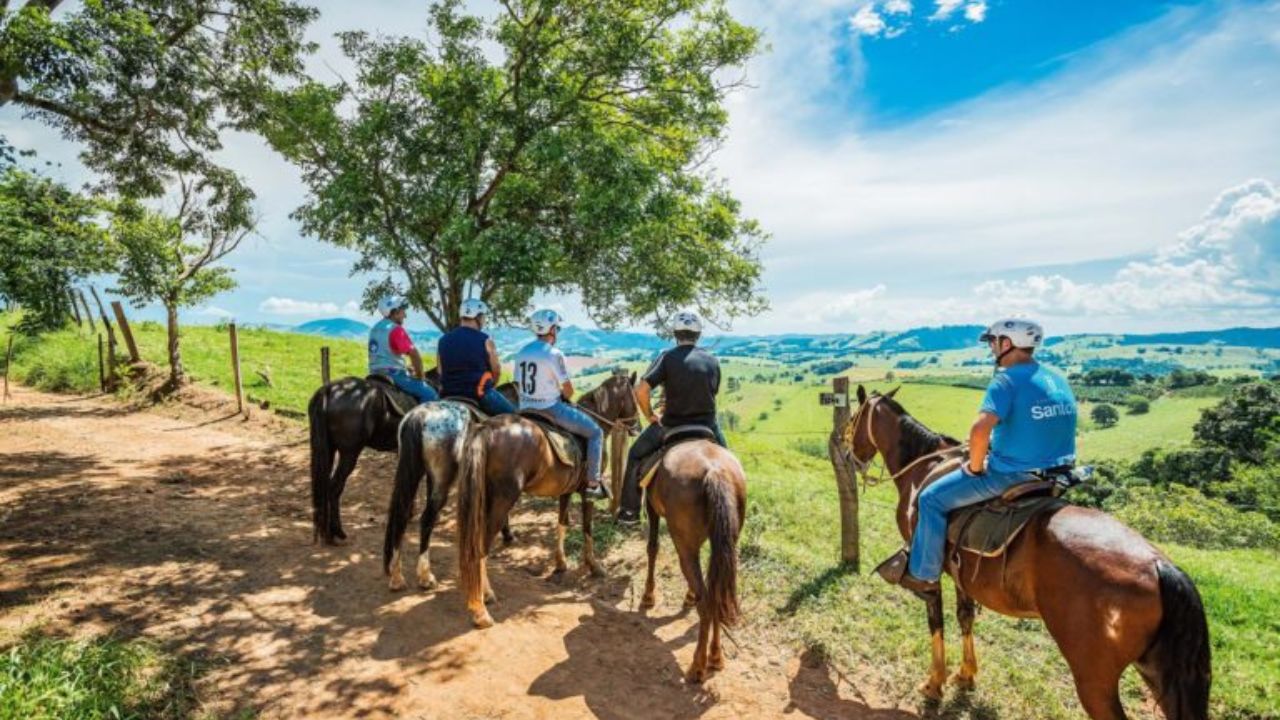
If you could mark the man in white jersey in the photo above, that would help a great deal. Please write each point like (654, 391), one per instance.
(543, 379)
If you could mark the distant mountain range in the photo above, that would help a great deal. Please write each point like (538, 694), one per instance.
(582, 341)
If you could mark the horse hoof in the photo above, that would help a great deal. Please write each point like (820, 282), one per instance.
(648, 601)
(482, 621)
(427, 583)
(508, 539)
(690, 600)
(596, 570)
(716, 662)
(963, 682)
(396, 583)
(931, 690)
(695, 676)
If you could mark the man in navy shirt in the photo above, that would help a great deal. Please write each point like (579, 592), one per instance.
(1027, 422)
(468, 362)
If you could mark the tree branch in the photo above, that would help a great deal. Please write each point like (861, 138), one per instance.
(88, 122)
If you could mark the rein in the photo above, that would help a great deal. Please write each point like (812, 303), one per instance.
(613, 424)
(863, 467)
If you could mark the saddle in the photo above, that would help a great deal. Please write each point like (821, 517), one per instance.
(670, 438)
(401, 401)
(568, 448)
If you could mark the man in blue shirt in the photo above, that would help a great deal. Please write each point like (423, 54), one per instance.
(468, 361)
(1027, 422)
(390, 344)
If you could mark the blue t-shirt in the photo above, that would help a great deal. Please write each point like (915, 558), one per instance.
(1037, 411)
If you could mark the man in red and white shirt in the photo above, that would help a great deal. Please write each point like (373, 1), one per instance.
(390, 344)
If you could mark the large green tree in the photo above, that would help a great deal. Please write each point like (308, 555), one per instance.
(49, 240)
(560, 145)
(146, 86)
(171, 259)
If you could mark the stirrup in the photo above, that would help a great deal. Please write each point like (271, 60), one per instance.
(894, 567)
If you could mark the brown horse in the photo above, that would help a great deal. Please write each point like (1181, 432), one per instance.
(504, 457)
(701, 489)
(1107, 596)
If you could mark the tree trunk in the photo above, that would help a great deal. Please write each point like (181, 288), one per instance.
(176, 375)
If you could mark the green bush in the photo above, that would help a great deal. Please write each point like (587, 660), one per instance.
(1179, 514)
(1137, 405)
(45, 678)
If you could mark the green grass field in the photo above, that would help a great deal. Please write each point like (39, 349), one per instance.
(793, 584)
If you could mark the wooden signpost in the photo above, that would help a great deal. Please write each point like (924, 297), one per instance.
(846, 480)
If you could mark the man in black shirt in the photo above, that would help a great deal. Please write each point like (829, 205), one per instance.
(690, 378)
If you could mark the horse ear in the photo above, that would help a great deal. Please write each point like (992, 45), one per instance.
(633, 378)
(862, 395)
(893, 392)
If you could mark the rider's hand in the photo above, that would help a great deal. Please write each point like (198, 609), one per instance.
(655, 419)
(971, 472)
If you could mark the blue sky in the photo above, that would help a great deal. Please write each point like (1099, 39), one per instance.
(1106, 166)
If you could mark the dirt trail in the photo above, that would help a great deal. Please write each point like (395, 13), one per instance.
(192, 529)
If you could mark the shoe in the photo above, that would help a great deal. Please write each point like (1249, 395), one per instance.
(894, 571)
(628, 517)
(920, 587)
(598, 490)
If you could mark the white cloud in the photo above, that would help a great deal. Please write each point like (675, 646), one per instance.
(898, 7)
(288, 306)
(823, 307)
(214, 311)
(944, 8)
(976, 12)
(866, 21)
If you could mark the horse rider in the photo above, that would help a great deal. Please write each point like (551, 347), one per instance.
(389, 344)
(691, 378)
(1026, 425)
(468, 362)
(545, 385)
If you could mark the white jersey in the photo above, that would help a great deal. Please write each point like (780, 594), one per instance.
(540, 371)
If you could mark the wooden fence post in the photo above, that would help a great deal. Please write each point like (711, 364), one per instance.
(846, 481)
(75, 307)
(8, 364)
(102, 365)
(324, 365)
(102, 312)
(235, 369)
(125, 330)
(88, 314)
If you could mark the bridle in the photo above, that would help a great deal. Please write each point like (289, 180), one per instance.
(619, 423)
(863, 467)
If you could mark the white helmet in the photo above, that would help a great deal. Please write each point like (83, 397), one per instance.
(473, 308)
(686, 320)
(542, 322)
(390, 304)
(1023, 333)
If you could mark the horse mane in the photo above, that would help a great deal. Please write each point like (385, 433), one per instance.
(915, 439)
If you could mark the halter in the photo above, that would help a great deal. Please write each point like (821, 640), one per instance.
(613, 424)
(863, 467)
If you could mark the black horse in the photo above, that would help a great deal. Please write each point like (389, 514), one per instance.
(346, 416)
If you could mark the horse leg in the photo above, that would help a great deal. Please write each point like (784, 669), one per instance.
(649, 600)
(932, 687)
(562, 526)
(965, 611)
(715, 660)
(508, 537)
(1094, 661)
(346, 465)
(436, 497)
(589, 562)
(691, 566)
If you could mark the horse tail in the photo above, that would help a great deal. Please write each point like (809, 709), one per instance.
(410, 469)
(722, 577)
(1178, 664)
(321, 463)
(472, 514)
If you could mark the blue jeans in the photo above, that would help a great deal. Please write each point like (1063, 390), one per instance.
(579, 423)
(412, 385)
(495, 403)
(949, 492)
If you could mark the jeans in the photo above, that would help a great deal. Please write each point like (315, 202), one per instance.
(412, 385)
(949, 492)
(495, 403)
(579, 423)
(649, 442)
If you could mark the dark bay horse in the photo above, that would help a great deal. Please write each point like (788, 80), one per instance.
(1106, 595)
(701, 489)
(431, 444)
(346, 416)
(507, 456)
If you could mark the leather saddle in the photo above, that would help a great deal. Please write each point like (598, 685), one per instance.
(401, 401)
(569, 449)
(670, 438)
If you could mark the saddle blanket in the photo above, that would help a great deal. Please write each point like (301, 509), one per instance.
(988, 529)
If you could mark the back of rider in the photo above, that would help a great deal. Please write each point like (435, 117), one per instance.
(1037, 411)
(691, 378)
(465, 361)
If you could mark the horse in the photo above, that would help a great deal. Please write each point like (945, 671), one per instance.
(701, 489)
(504, 457)
(613, 406)
(431, 443)
(1106, 595)
(345, 417)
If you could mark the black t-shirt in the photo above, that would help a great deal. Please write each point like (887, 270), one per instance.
(691, 377)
